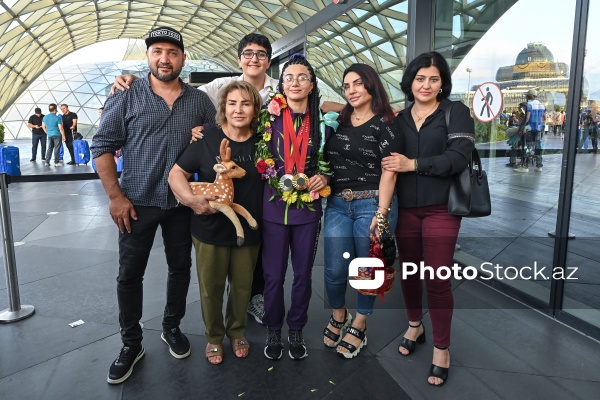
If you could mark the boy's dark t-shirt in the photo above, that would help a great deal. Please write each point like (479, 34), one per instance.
(217, 229)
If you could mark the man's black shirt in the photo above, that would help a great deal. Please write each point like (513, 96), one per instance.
(35, 120)
(67, 120)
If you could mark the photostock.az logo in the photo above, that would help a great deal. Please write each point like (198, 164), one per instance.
(366, 262)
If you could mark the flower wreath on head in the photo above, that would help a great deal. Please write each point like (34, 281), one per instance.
(265, 163)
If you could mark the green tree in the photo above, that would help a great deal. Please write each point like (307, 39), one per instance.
(1, 133)
(483, 132)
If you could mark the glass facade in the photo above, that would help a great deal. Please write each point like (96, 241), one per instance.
(84, 89)
(581, 297)
(503, 46)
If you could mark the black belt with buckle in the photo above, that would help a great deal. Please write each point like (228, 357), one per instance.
(349, 195)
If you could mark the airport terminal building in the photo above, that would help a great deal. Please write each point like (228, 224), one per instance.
(527, 327)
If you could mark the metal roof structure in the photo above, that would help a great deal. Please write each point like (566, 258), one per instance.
(36, 34)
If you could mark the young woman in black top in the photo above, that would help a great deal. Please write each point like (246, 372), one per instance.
(366, 135)
(431, 154)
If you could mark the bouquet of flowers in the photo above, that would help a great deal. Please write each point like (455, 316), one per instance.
(265, 161)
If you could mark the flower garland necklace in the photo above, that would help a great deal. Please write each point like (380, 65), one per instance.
(293, 190)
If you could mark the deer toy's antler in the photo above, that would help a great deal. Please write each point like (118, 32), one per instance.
(225, 151)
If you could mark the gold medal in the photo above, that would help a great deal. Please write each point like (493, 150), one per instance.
(300, 181)
(285, 182)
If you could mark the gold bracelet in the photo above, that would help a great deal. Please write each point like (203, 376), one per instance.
(383, 224)
(416, 166)
(386, 209)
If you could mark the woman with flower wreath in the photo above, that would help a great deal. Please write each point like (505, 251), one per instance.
(289, 160)
(360, 190)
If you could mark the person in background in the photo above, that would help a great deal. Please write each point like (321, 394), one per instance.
(366, 134)
(557, 121)
(38, 136)
(52, 125)
(513, 138)
(219, 259)
(535, 119)
(589, 126)
(69, 120)
(152, 123)
(433, 152)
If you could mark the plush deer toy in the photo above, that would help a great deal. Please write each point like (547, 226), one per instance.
(223, 189)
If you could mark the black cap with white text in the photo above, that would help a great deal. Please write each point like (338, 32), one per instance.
(165, 34)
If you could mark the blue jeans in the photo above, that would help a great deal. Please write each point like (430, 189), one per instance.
(346, 229)
(134, 251)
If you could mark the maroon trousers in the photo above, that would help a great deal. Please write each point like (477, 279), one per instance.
(428, 234)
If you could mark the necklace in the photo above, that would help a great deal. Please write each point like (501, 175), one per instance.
(356, 117)
(426, 114)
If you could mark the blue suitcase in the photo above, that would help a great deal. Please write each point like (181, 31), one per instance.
(119, 164)
(81, 150)
(10, 161)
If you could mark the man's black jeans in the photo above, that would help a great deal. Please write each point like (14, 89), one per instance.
(134, 251)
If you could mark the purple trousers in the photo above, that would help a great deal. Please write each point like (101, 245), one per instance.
(278, 240)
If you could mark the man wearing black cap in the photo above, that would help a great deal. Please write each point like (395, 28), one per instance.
(37, 134)
(151, 122)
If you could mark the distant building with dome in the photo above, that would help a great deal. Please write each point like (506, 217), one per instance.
(534, 68)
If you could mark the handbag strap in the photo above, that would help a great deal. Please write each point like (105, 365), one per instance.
(448, 111)
(475, 159)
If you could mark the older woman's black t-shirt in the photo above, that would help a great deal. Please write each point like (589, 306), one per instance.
(355, 154)
(217, 229)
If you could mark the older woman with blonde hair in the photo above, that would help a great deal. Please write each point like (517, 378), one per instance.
(219, 259)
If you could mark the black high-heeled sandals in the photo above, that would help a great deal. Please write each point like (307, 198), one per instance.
(438, 372)
(410, 345)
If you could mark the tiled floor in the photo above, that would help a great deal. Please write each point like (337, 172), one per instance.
(67, 265)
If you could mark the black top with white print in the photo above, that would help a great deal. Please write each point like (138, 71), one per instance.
(355, 154)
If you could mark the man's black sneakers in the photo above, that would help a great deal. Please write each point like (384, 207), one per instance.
(297, 347)
(179, 345)
(123, 366)
(274, 346)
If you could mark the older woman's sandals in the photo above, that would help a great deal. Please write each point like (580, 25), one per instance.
(410, 345)
(240, 344)
(336, 337)
(214, 350)
(353, 351)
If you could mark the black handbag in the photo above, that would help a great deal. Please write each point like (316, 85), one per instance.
(388, 248)
(469, 190)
